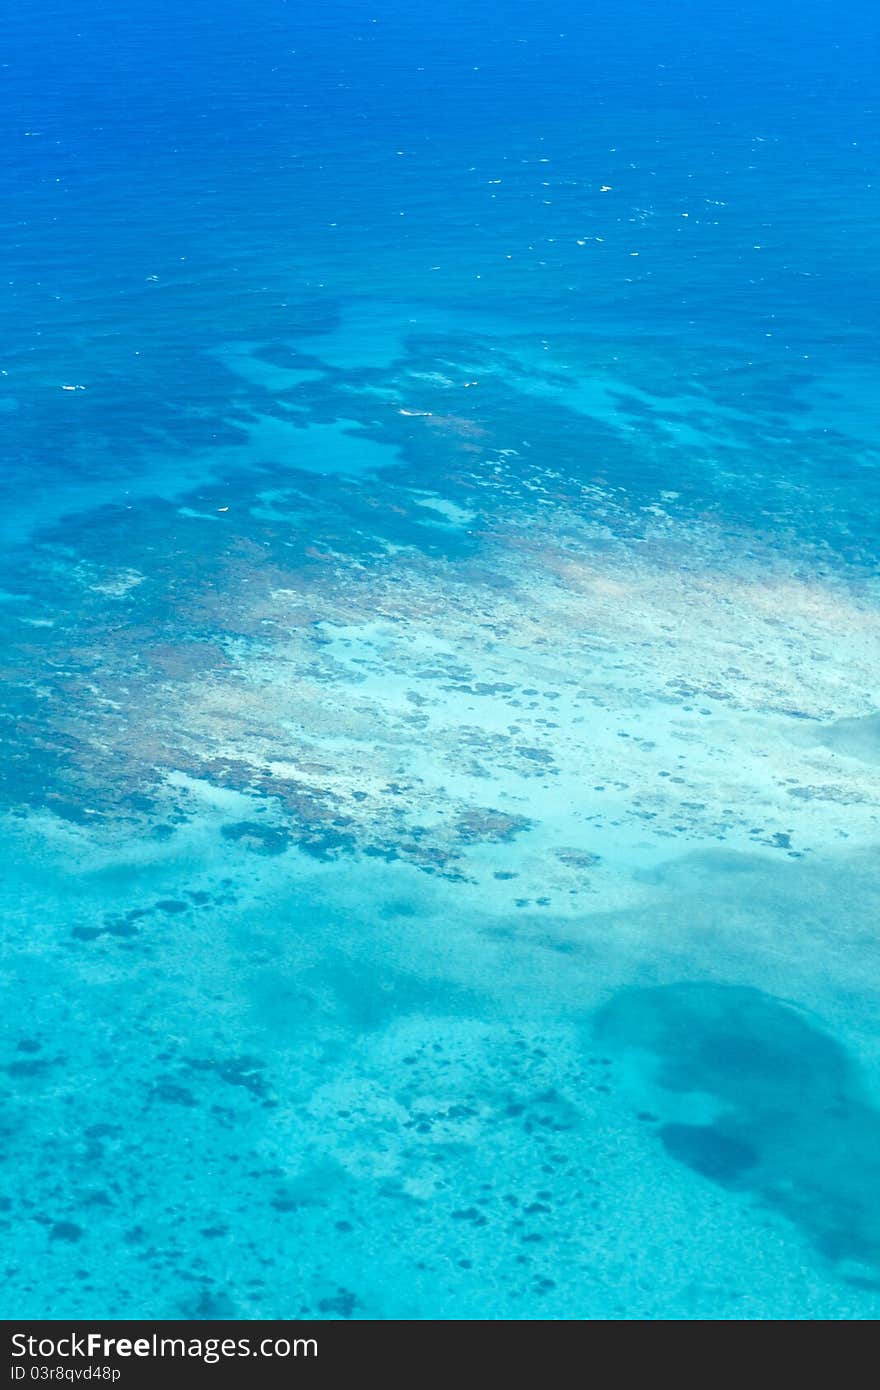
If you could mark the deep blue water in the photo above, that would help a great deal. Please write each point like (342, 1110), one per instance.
(440, 731)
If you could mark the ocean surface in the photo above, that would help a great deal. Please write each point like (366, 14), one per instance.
(440, 766)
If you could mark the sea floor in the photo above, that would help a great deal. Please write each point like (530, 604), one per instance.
(440, 879)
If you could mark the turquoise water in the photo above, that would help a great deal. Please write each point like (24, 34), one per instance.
(441, 645)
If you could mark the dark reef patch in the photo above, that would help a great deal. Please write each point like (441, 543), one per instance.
(706, 1148)
(263, 839)
(793, 1129)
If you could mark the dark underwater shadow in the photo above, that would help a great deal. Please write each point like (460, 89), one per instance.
(793, 1129)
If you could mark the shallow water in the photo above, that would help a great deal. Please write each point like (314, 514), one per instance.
(441, 638)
